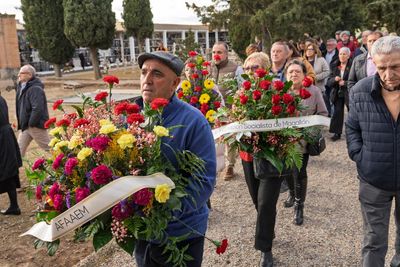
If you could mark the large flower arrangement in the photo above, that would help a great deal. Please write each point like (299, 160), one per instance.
(262, 97)
(99, 144)
(200, 91)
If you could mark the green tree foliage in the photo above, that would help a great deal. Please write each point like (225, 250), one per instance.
(186, 45)
(383, 13)
(138, 20)
(90, 23)
(44, 25)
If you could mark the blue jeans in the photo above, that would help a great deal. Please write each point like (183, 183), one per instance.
(150, 255)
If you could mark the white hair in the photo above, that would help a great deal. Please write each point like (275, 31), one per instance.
(29, 68)
(386, 45)
(345, 49)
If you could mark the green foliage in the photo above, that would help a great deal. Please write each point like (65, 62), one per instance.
(50, 246)
(138, 19)
(383, 13)
(44, 25)
(187, 45)
(101, 238)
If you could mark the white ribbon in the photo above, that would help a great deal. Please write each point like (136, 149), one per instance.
(271, 125)
(95, 204)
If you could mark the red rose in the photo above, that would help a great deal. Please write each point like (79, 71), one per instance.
(100, 96)
(101, 175)
(304, 94)
(198, 88)
(132, 108)
(276, 110)
(135, 117)
(206, 63)
(110, 79)
(63, 122)
(217, 57)
(307, 81)
(256, 95)
(191, 65)
(243, 99)
(50, 122)
(246, 85)
(276, 99)
(260, 73)
(192, 53)
(221, 248)
(194, 100)
(80, 122)
(264, 84)
(180, 94)
(278, 85)
(290, 109)
(158, 103)
(204, 72)
(217, 104)
(195, 76)
(57, 104)
(287, 98)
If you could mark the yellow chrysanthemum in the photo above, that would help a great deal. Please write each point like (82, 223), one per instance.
(186, 85)
(53, 141)
(60, 144)
(57, 130)
(210, 115)
(162, 193)
(204, 98)
(126, 140)
(84, 153)
(209, 84)
(161, 131)
(107, 128)
(104, 122)
(75, 141)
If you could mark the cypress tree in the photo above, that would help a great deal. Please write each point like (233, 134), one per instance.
(138, 20)
(90, 23)
(44, 25)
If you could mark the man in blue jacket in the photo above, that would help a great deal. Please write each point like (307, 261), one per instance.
(373, 142)
(160, 72)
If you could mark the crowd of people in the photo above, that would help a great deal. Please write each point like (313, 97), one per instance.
(364, 78)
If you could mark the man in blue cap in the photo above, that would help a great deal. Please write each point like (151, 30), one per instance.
(160, 72)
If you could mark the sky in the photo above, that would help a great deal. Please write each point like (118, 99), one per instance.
(164, 11)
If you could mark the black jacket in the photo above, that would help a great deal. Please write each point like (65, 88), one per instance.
(358, 70)
(373, 137)
(337, 90)
(31, 105)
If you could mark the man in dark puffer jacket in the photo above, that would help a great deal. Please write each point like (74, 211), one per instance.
(373, 142)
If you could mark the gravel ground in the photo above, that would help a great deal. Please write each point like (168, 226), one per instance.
(330, 236)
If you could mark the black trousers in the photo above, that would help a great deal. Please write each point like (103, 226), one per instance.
(150, 255)
(337, 116)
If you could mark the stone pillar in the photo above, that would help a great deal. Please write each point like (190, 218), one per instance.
(132, 49)
(216, 36)
(183, 35)
(9, 50)
(147, 44)
(164, 36)
(207, 40)
(196, 36)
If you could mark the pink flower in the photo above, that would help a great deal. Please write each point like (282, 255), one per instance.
(121, 211)
(81, 193)
(278, 85)
(246, 85)
(38, 164)
(54, 190)
(101, 174)
(58, 202)
(57, 161)
(38, 192)
(70, 165)
(99, 143)
(143, 197)
(264, 84)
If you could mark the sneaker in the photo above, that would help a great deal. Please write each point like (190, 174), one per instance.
(228, 173)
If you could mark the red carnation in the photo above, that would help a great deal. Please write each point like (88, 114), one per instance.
(206, 63)
(221, 247)
(192, 53)
(194, 100)
(158, 103)
(198, 88)
(63, 122)
(287, 98)
(191, 65)
(110, 79)
(72, 115)
(217, 57)
(142, 197)
(204, 108)
(135, 117)
(276, 99)
(246, 85)
(132, 108)
(81, 193)
(50, 122)
(120, 108)
(307, 81)
(195, 76)
(39, 164)
(278, 85)
(260, 73)
(243, 99)
(80, 122)
(217, 104)
(256, 95)
(57, 104)
(264, 84)
(180, 94)
(101, 96)
(101, 174)
(204, 72)
(290, 109)
(304, 94)
(276, 110)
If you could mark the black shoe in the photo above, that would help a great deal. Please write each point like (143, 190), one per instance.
(335, 137)
(289, 202)
(266, 259)
(10, 211)
(298, 214)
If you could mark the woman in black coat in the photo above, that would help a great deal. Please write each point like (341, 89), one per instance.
(10, 161)
(339, 95)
